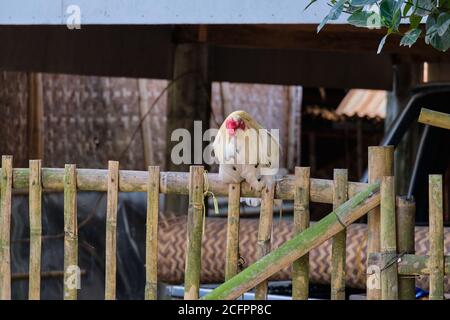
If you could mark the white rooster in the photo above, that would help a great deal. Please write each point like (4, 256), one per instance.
(246, 151)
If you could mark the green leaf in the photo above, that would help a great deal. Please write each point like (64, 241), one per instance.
(390, 12)
(382, 42)
(410, 37)
(424, 7)
(443, 22)
(334, 13)
(362, 3)
(309, 4)
(414, 21)
(360, 18)
(407, 7)
(439, 42)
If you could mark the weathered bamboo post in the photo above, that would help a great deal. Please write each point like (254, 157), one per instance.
(71, 269)
(232, 250)
(111, 233)
(300, 267)
(299, 245)
(389, 277)
(151, 252)
(434, 118)
(35, 193)
(194, 233)
(436, 229)
(338, 249)
(380, 163)
(264, 235)
(5, 228)
(406, 213)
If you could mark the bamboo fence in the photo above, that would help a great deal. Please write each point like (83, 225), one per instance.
(391, 251)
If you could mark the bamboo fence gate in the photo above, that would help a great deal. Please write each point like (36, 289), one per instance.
(391, 259)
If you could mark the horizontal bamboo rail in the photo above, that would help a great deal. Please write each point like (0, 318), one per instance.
(299, 245)
(321, 190)
(434, 118)
(415, 265)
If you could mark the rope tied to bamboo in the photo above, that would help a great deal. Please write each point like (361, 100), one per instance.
(207, 193)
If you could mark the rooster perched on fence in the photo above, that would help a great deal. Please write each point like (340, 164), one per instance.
(246, 151)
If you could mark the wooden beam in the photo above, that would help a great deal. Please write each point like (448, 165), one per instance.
(434, 118)
(35, 116)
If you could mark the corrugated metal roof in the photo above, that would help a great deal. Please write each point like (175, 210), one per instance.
(364, 103)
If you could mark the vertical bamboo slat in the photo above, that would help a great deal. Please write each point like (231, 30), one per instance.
(436, 230)
(70, 233)
(232, 251)
(111, 230)
(194, 233)
(406, 212)
(264, 235)
(151, 253)
(338, 249)
(35, 193)
(300, 267)
(5, 228)
(380, 164)
(388, 241)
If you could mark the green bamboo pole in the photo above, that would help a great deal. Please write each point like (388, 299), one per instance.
(434, 118)
(232, 250)
(35, 194)
(264, 235)
(151, 252)
(406, 213)
(436, 229)
(321, 190)
(5, 227)
(380, 164)
(70, 233)
(389, 278)
(338, 249)
(414, 265)
(302, 243)
(300, 267)
(111, 230)
(194, 233)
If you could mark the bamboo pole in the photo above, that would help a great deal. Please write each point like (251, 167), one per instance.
(264, 235)
(406, 212)
(35, 205)
(300, 267)
(302, 243)
(111, 230)
(434, 118)
(70, 233)
(436, 229)
(388, 242)
(5, 227)
(338, 249)
(381, 163)
(232, 250)
(414, 265)
(194, 233)
(151, 253)
(321, 190)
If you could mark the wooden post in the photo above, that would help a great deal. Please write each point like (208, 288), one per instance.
(232, 251)
(302, 243)
(436, 230)
(35, 116)
(35, 194)
(434, 118)
(194, 234)
(188, 100)
(389, 281)
(111, 233)
(300, 267)
(151, 252)
(381, 163)
(338, 251)
(71, 275)
(5, 227)
(264, 235)
(406, 213)
(144, 108)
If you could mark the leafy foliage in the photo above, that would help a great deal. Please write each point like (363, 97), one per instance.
(389, 14)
